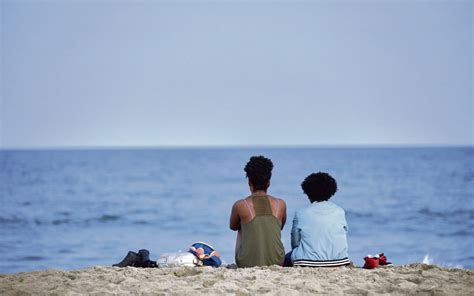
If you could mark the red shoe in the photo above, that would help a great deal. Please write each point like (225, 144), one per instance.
(371, 262)
(383, 260)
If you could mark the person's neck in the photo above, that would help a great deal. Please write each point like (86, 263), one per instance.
(259, 193)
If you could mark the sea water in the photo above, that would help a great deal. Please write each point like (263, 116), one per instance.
(71, 209)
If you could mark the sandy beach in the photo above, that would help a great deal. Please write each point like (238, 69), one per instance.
(404, 279)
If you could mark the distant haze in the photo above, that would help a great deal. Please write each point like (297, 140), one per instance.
(154, 73)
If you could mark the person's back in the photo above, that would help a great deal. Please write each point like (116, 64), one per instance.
(260, 243)
(319, 232)
(258, 219)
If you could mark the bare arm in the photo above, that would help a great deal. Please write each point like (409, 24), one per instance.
(234, 222)
(283, 217)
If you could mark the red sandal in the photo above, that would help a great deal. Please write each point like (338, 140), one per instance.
(375, 261)
(371, 262)
(383, 260)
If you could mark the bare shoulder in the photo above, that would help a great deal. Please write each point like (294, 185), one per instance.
(276, 199)
(278, 202)
(238, 204)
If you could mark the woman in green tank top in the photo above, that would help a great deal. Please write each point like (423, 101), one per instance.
(258, 219)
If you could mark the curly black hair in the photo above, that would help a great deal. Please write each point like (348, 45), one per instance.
(259, 172)
(319, 186)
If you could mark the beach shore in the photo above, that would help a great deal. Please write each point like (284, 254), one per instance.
(403, 279)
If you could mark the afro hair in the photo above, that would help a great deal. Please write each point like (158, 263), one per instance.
(259, 172)
(319, 186)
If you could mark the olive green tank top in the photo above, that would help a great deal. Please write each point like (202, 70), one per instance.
(260, 243)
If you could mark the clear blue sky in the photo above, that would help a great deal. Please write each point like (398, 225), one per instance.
(151, 73)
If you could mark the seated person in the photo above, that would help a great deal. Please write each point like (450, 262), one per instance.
(259, 219)
(319, 233)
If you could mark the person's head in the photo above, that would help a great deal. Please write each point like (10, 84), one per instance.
(259, 172)
(319, 187)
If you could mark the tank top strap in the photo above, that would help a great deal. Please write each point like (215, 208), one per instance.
(277, 207)
(252, 214)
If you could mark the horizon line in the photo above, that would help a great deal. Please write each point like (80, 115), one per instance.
(257, 146)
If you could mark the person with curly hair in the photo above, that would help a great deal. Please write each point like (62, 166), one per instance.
(319, 232)
(258, 219)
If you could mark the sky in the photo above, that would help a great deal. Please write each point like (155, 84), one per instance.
(203, 73)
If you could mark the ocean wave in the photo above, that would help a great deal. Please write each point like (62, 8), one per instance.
(12, 220)
(32, 258)
(468, 233)
(64, 219)
(430, 261)
(458, 213)
(106, 218)
(358, 214)
(140, 222)
(61, 221)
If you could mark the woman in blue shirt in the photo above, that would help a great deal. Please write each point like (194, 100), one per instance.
(319, 233)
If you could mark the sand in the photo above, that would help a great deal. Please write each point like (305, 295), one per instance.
(404, 279)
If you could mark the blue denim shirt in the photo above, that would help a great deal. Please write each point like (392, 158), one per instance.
(319, 232)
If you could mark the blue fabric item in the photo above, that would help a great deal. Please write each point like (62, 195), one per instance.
(288, 262)
(319, 232)
(212, 261)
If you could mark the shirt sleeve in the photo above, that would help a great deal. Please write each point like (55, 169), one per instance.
(344, 221)
(295, 232)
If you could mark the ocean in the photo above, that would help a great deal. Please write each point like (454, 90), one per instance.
(71, 209)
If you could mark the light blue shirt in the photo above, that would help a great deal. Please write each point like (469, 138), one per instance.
(319, 232)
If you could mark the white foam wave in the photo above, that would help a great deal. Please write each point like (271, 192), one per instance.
(427, 259)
